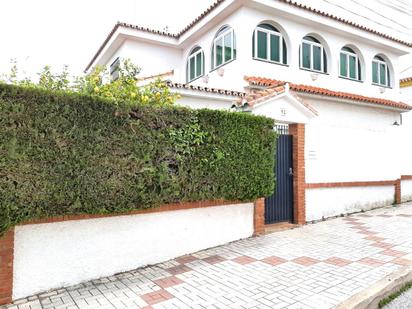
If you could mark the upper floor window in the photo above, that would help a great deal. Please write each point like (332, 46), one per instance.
(349, 64)
(224, 47)
(115, 69)
(195, 64)
(380, 72)
(269, 44)
(313, 55)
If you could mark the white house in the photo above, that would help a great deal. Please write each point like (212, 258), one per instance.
(330, 84)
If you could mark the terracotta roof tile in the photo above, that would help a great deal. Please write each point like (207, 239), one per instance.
(201, 16)
(405, 80)
(344, 21)
(258, 96)
(233, 93)
(260, 81)
(216, 4)
(162, 33)
(255, 97)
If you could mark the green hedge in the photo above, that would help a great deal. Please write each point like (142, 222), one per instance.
(63, 154)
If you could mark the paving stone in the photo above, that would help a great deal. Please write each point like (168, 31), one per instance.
(315, 266)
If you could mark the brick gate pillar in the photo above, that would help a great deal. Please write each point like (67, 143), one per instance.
(259, 217)
(6, 267)
(298, 132)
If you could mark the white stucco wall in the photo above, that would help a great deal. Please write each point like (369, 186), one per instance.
(347, 143)
(245, 20)
(406, 190)
(60, 254)
(158, 54)
(151, 58)
(196, 102)
(329, 202)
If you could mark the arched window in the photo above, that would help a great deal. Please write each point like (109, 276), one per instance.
(195, 64)
(312, 55)
(224, 47)
(349, 63)
(380, 72)
(269, 44)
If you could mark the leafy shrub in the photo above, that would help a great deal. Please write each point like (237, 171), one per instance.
(63, 154)
(98, 83)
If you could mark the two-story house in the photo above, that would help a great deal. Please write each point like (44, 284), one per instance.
(330, 84)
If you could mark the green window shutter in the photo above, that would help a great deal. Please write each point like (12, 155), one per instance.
(274, 48)
(375, 78)
(192, 68)
(253, 45)
(306, 55)
(352, 67)
(388, 82)
(382, 72)
(234, 45)
(343, 65)
(262, 44)
(199, 65)
(285, 52)
(317, 54)
(219, 52)
(228, 46)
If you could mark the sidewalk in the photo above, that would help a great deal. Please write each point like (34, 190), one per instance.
(316, 266)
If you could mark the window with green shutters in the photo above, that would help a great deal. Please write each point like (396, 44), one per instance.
(224, 47)
(195, 64)
(268, 44)
(380, 72)
(312, 55)
(349, 64)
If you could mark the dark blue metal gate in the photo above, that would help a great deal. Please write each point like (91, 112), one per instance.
(279, 206)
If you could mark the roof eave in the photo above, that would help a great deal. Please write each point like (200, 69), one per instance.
(354, 102)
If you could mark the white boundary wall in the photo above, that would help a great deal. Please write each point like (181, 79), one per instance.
(330, 202)
(406, 190)
(54, 255)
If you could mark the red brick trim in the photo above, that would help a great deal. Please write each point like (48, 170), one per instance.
(6, 267)
(350, 184)
(406, 177)
(259, 217)
(298, 133)
(165, 207)
(269, 82)
(7, 241)
(398, 192)
(217, 3)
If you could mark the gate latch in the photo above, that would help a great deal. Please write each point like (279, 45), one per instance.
(290, 171)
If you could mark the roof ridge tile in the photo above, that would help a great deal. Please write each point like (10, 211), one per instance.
(262, 81)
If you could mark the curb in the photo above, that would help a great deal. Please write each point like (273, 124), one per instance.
(370, 297)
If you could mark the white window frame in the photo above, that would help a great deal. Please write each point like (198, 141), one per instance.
(312, 44)
(379, 62)
(194, 55)
(349, 54)
(222, 36)
(115, 68)
(268, 48)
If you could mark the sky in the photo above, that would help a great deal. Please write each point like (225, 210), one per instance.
(62, 32)
(59, 32)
